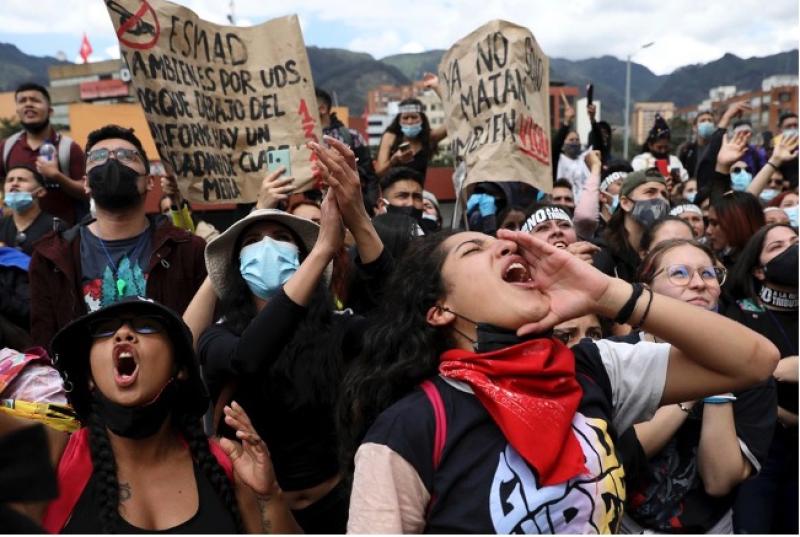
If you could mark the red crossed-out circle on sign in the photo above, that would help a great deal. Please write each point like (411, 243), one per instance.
(144, 9)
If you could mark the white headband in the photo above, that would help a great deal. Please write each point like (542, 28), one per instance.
(410, 109)
(545, 214)
(612, 178)
(685, 208)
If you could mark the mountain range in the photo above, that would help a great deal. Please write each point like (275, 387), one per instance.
(349, 75)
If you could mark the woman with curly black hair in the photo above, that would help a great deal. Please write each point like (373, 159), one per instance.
(142, 462)
(465, 417)
(281, 348)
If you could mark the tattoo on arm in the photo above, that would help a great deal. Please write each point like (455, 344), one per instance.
(263, 506)
(125, 492)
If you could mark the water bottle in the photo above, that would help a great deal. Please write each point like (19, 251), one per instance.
(48, 151)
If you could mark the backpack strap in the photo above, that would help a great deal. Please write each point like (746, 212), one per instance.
(64, 148)
(440, 434)
(73, 474)
(10, 142)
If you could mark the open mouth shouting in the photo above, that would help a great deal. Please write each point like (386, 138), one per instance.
(126, 365)
(517, 272)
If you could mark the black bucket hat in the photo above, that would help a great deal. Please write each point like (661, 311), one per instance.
(71, 346)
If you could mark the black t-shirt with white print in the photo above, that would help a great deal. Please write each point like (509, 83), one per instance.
(482, 485)
(668, 496)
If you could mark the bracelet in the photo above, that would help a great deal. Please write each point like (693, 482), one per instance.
(773, 166)
(719, 399)
(646, 310)
(685, 409)
(627, 310)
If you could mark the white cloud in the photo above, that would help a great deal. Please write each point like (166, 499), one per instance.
(112, 51)
(412, 47)
(685, 31)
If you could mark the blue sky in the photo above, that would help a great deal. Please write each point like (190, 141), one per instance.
(684, 31)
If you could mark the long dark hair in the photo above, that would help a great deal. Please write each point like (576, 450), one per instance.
(395, 128)
(306, 370)
(739, 214)
(105, 467)
(615, 234)
(400, 348)
(742, 284)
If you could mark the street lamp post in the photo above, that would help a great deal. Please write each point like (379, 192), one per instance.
(628, 100)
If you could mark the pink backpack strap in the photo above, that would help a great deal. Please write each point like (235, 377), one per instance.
(222, 458)
(74, 471)
(440, 434)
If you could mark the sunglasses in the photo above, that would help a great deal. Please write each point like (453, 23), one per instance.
(738, 169)
(681, 275)
(144, 325)
(99, 156)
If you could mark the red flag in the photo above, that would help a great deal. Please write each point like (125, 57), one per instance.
(86, 49)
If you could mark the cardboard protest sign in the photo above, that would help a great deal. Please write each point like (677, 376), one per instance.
(221, 101)
(495, 92)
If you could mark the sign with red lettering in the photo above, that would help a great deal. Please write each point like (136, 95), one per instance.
(219, 98)
(103, 89)
(495, 86)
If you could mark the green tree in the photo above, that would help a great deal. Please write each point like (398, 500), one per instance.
(8, 126)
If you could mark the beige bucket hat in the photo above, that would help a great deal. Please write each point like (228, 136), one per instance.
(221, 249)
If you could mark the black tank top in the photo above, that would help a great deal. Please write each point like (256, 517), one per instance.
(212, 516)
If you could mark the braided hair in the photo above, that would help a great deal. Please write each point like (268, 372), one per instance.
(105, 468)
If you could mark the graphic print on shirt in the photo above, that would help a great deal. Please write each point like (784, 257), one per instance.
(128, 281)
(590, 502)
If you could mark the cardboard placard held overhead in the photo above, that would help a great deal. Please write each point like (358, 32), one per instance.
(495, 85)
(219, 98)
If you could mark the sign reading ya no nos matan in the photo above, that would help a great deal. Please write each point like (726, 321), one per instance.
(495, 84)
(218, 98)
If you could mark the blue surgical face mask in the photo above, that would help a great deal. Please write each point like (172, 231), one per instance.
(411, 131)
(614, 203)
(739, 181)
(791, 212)
(768, 194)
(19, 201)
(266, 265)
(690, 196)
(706, 129)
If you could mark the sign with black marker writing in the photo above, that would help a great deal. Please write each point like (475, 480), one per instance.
(495, 85)
(219, 98)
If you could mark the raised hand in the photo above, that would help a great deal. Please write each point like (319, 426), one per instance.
(591, 110)
(572, 286)
(732, 150)
(593, 161)
(569, 112)
(785, 151)
(274, 189)
(169, 186)
(583, 250)
(736, 109)
(331, 229)
(338, 167)
(250, 457)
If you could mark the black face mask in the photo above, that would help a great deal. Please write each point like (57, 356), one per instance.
(409, 211)
(659, 156)
(135, 422)
(782, 269)
(429, 225)
(114, 186)
(492, 338)
(36, 128)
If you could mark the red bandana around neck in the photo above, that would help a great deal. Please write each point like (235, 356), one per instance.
(531, 393)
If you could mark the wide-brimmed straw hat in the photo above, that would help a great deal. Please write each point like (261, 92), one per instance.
(221, 250)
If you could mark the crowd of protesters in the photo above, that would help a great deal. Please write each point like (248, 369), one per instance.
(616, 354)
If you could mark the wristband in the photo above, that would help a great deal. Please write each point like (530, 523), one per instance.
(627, 310)
(719, 399)
(646, 310)
(773, 166)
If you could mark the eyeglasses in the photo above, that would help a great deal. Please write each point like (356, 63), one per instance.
(99, 156)
(738, 169)
(145, 325)
(681, 275)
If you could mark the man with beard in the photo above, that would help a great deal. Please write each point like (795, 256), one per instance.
(63, 173)
(120, 253)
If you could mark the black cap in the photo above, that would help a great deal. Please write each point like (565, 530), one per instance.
(72, 344)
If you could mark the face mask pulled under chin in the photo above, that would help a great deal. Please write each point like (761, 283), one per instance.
(490, 338)
(135, 421)
(115, 186)
(267, 265)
